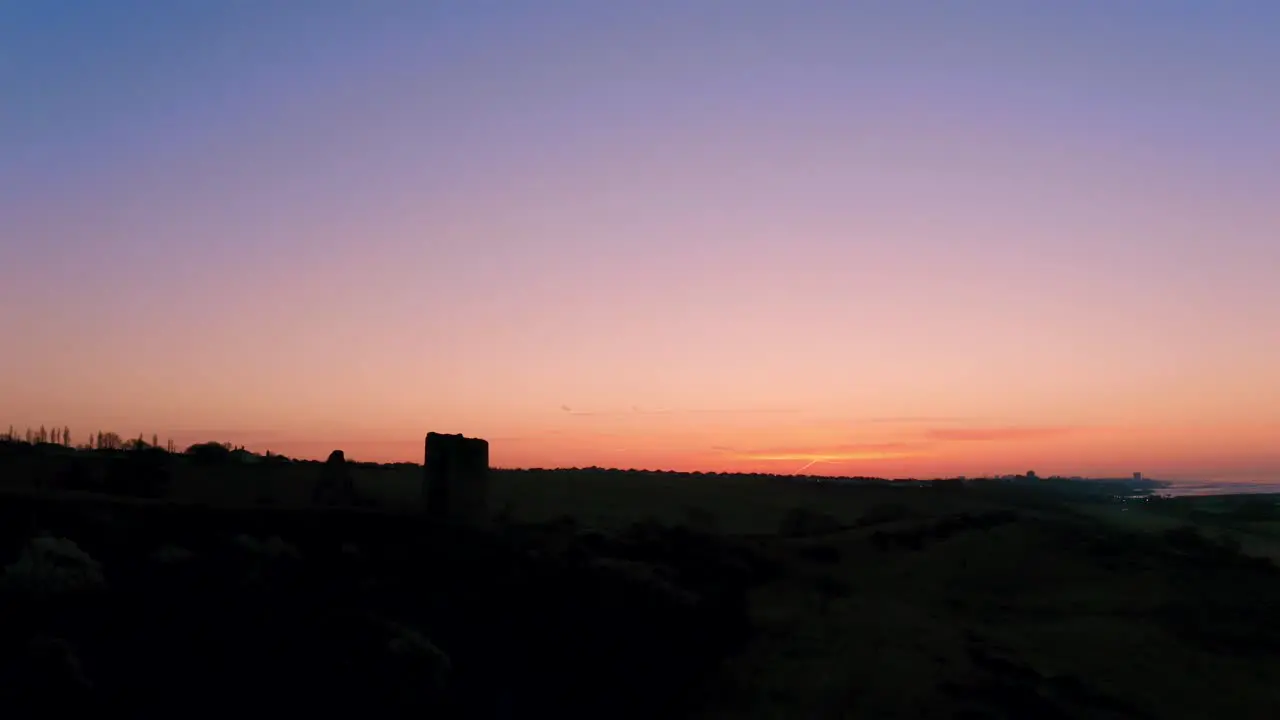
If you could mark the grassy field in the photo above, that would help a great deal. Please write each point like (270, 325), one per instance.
(879, 600)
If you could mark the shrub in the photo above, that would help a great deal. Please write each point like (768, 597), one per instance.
(418, 656)
(53, 566)
(169, 554)
(801, 521)
(273, 548)
(645, 579)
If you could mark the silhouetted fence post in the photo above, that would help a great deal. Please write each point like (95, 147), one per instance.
(455, 482)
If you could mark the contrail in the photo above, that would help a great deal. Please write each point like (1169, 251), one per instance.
(807, 465)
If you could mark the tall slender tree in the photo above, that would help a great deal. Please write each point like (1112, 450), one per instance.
(66, 435)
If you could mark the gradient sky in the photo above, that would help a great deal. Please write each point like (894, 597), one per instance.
(896, 238)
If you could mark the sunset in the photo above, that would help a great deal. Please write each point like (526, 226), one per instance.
(640, 359)
(293, 223)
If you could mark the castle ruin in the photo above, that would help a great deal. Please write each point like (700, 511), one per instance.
(455, 481)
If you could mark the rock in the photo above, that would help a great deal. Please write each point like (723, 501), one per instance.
(334, 487)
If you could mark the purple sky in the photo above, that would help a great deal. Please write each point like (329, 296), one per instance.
(301, 225)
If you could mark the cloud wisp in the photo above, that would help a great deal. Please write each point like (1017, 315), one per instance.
(639, 410)
(923, 443)
(999, 434)
(914, 420)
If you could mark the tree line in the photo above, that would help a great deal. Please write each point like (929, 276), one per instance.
(96, 441)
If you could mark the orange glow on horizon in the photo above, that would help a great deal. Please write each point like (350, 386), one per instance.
(905, 448)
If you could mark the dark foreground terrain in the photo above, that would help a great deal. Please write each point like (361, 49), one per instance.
(655, 595)
(162, 610)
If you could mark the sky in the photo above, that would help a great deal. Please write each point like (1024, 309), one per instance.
(861, 238)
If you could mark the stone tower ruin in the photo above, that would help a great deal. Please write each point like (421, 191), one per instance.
(455, 481)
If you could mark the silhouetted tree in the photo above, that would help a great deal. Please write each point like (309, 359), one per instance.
(209, 453)
(30, 436)
(43, 436)
(66, 435)
(155, 441)
(109, 441)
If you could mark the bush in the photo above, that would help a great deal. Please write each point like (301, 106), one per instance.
(53, 566)
(417, 657)
(655, 582)
(274, 547)
(801, 521)
(170, 554)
